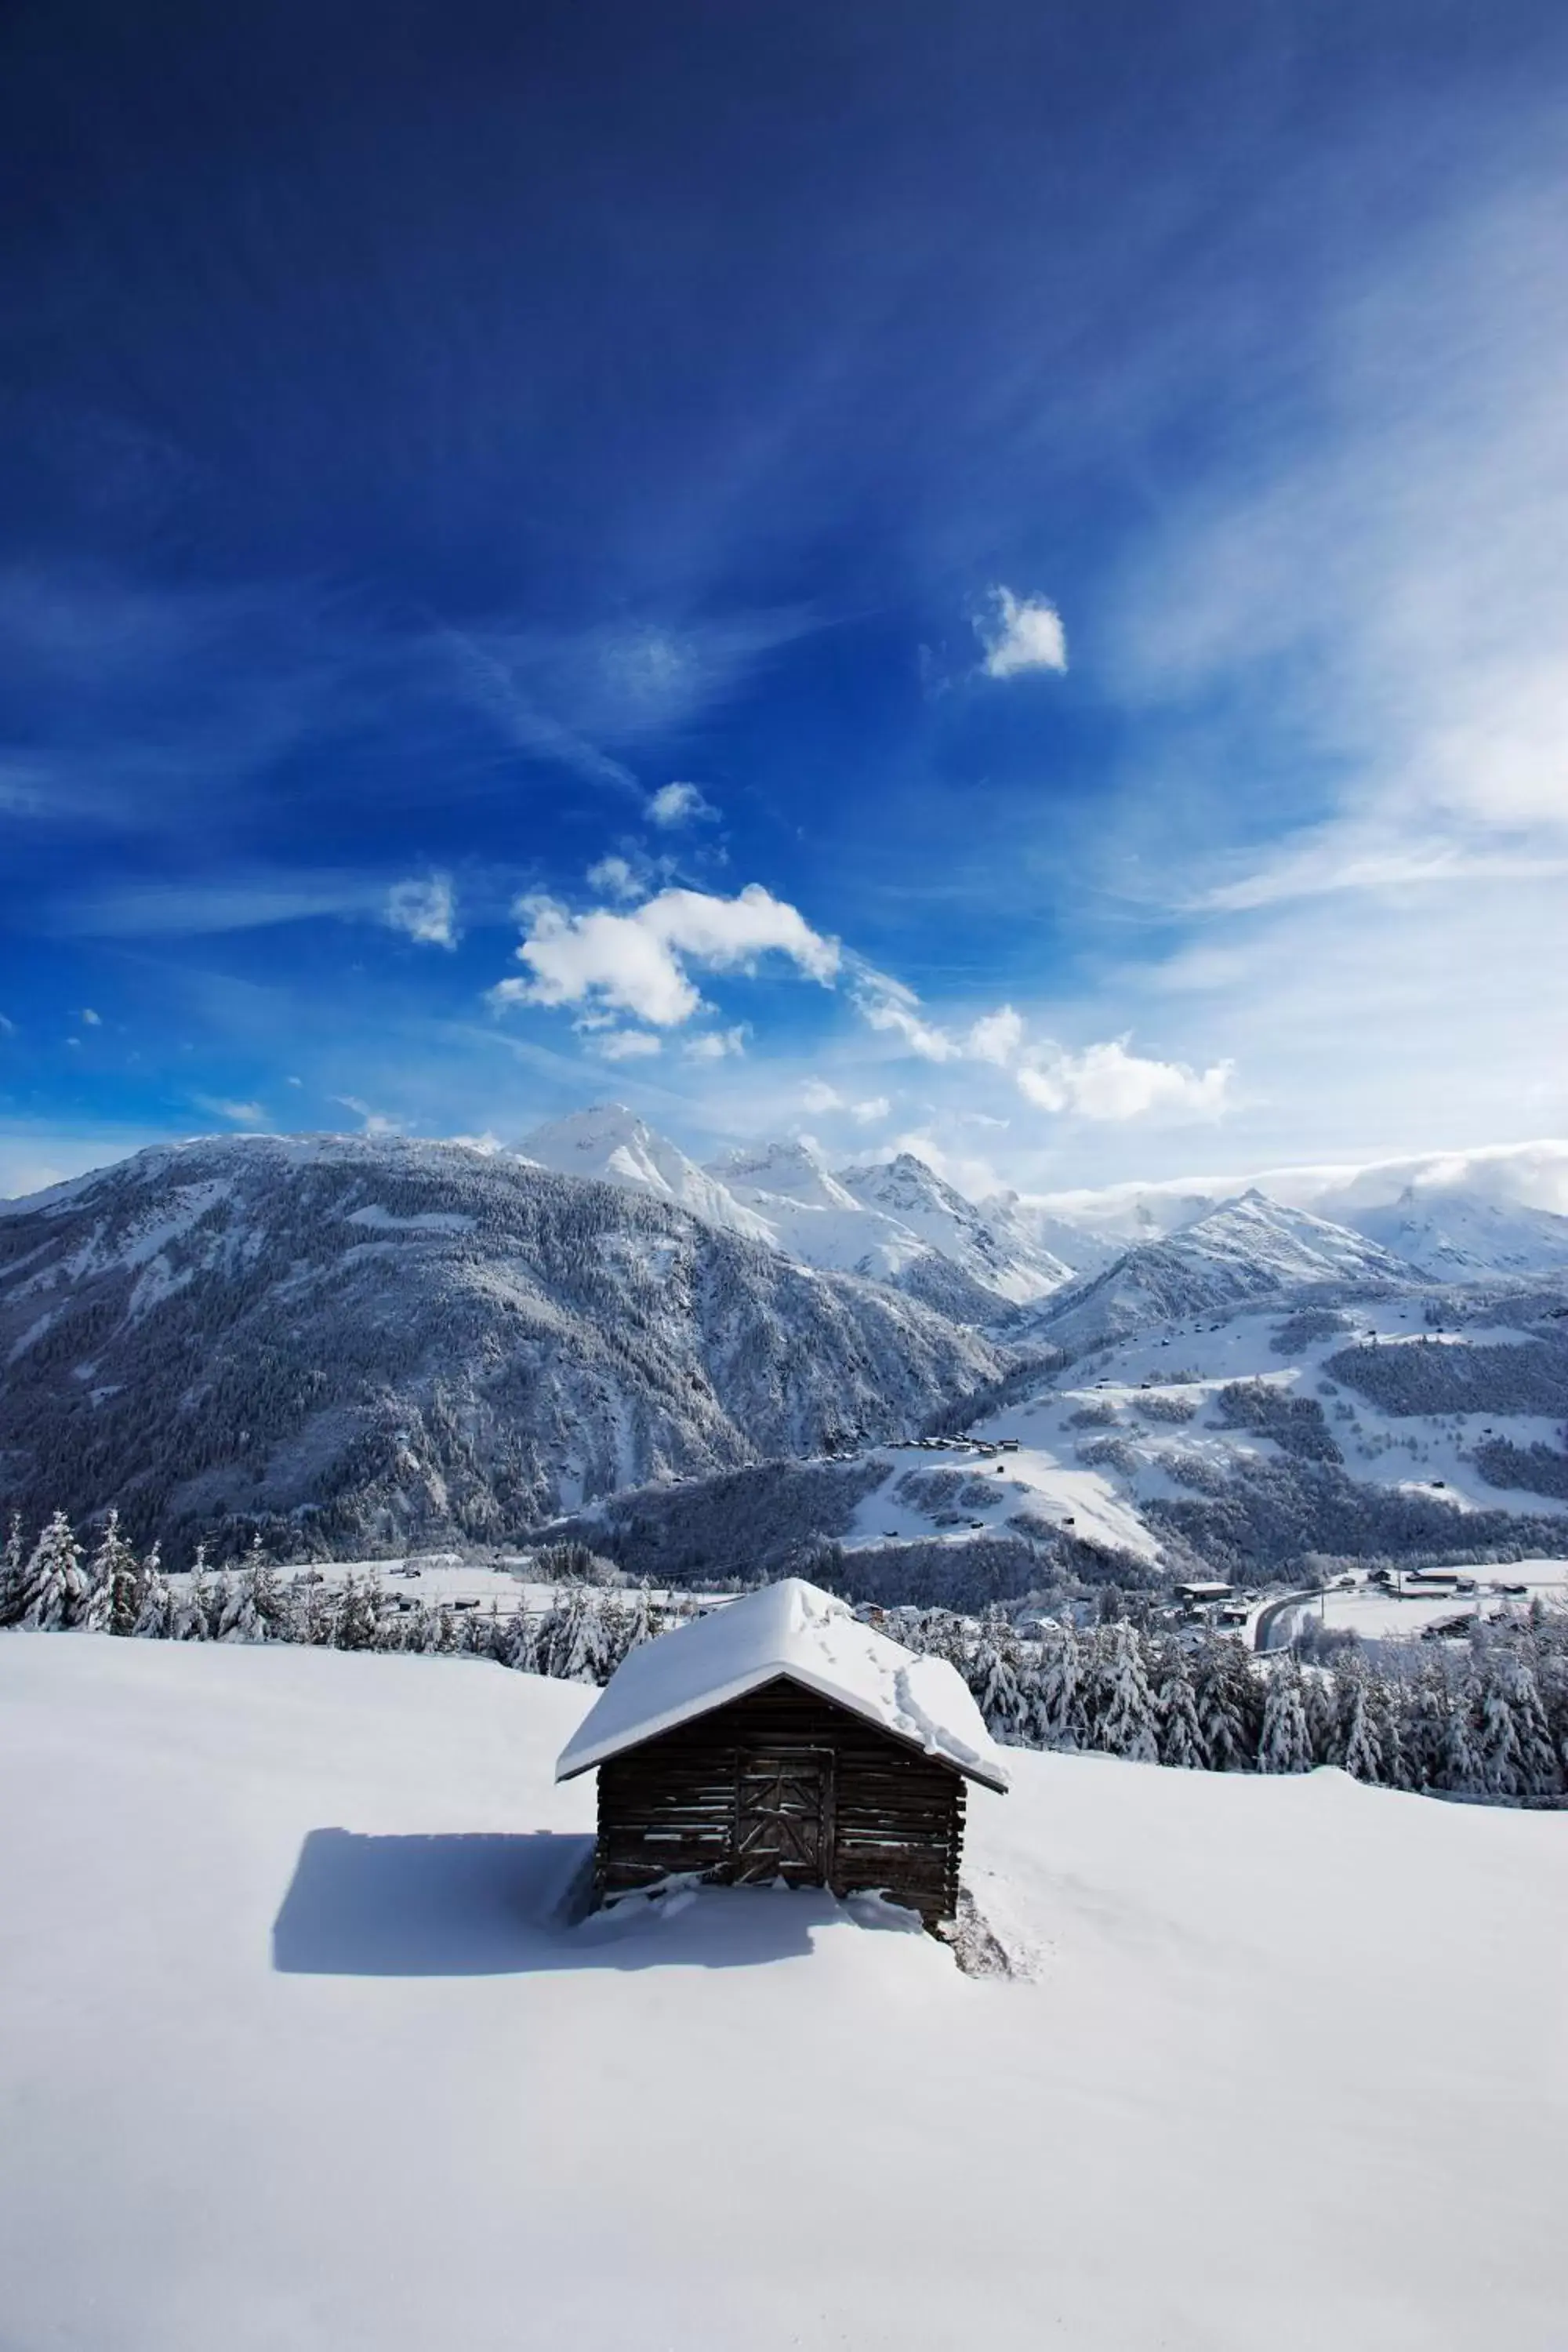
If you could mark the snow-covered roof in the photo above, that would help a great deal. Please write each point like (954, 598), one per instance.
(795, 1631)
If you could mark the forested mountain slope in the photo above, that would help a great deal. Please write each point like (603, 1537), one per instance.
(382, 1340)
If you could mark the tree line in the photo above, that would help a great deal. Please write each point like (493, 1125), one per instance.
(1486, 1719)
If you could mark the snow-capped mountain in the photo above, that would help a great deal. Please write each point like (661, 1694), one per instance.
(610, 1142)
(992, 1249)
(788, 1169)
(1457, 1236)
(1249, 1248)
(379, 1341)
(899, 1225)
(1079, 1248)
(814, 1218)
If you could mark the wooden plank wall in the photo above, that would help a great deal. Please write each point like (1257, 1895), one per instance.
(898, 1822)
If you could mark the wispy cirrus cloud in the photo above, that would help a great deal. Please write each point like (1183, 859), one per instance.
(238, 1114)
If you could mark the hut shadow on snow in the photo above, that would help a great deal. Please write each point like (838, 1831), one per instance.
(465, 1906)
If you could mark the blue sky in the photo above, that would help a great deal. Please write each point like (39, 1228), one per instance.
(987, 576)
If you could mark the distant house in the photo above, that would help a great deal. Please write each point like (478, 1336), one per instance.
(779, 1738)
(1202, 1595)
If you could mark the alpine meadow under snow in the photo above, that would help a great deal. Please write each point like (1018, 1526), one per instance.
(307, 2054)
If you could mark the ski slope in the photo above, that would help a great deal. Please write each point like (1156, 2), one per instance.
(300, 2056)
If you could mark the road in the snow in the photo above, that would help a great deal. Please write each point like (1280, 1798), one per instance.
(1263, 1624)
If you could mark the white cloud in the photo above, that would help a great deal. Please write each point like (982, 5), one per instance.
(1104, 1081)
(374, 1122)
(997, 1037)
(8, 1026)
(238, 1114)
(615, 876)
(425, 910)
(1108, 1082)
(637, 962)
(1021, 633)
(626, 1044)
(93, 1020)
(818, 1095)
(675, 804)
(887, 1004)
(717, 1044)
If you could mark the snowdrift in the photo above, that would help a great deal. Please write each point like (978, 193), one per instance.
(301, 2053)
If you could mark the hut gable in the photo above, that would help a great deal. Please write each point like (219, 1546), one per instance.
(806, 1636)
(779, 1739)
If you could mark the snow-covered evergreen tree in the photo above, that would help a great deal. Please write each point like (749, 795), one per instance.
(157, 1610)
(1318, 1708)
(13, 1570)
(115, 1602)
(519, 1640)
(1229, 1716)
(1429, 1701)
(196, 1616)
(995, 1682)
(256, 1609)
(359, 1613)
(1176, 1710)
(1051, 1713)
(1386, 1703)
(1512, 1742)
(1285, 1744)
(1119, 1704)
(54, 1582)
(1360, 1748)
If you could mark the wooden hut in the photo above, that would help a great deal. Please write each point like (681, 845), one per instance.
(778, 1738)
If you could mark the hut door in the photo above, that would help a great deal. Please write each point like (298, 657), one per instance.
(783, 1815)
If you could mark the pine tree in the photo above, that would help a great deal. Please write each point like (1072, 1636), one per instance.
(1318, 1707)
(995, 1684)
(1360, 1750)
(357, 1615)
(256, 1609)
(116, 1577)
(643, 1619)
(221, 1602)
(1284, 1744)
(1228, 1715)
(1513, 1743)
(195, 1619)
(1176, 1711)
(157, 1611)
(54, 1583)
(416, 1629)
(1461, 1769)
(13, 1571)
(1428, 1705)
(1386, 1703)
(1121, 1712)
(519, 1641)
(1054, 1704)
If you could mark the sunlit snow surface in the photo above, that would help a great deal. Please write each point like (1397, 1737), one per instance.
(297, 2054)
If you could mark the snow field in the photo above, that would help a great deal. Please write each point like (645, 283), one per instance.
(297, 2056)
